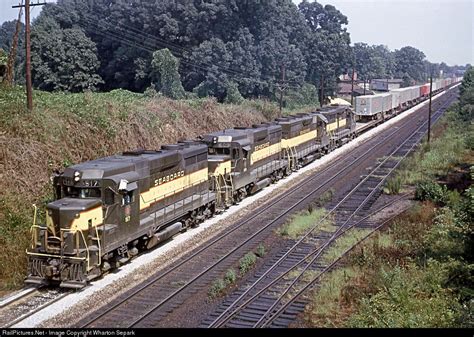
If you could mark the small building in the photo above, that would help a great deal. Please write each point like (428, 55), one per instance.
(385, 84)
(348, 77)
(344, 89)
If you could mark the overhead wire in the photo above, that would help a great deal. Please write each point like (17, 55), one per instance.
(136, 41)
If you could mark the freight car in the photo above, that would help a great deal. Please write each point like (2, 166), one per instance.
(374, 106)
(377, 106)
(107, 210)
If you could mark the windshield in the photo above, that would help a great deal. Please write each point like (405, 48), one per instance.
(77, 192)
(218, 150)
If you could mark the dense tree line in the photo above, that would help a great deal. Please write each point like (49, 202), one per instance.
(212, 47)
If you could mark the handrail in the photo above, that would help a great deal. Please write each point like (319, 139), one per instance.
(99, 259)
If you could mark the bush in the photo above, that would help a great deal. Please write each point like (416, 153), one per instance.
(429, 190)
(247, 262)
(216, 288)
(409, 298)
(393, 185)
(230, 276)
(260, 250)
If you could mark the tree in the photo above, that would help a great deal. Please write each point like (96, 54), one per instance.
(165, 65)
(63, 59)
(3, 63)
(467, 95)
(233, 95)
(7, 31)
(409, 63)
(327, 49)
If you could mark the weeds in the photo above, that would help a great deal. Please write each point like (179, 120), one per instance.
(393, 185)
(260, 250)
(302, 222)
(247, 262)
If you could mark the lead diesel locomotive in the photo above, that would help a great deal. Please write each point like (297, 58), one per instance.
(107, 210)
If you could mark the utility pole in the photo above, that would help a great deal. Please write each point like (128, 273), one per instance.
(352, 86)
(429, 109)
(321, 102)
(282, 87)
(29, 89)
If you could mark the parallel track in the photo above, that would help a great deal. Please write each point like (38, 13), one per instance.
(30, 303)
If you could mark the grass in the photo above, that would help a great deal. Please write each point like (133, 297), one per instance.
(326, 305)
(417, 273)
(245, 264)
(302, 222)
(344, 242)
(66, 129)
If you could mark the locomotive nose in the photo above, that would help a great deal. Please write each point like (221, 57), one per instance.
(74, 214)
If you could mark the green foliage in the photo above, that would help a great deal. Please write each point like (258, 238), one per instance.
(409, 63)
(166, 65)
(306, 95)
(63, 59)
(247, 262)
(301, 223)
(3, 57)
(346, 241)
(466, 110)
(402, 300)
(230, 277)
(326, 299)
(219, 285)
(444, 239)
(233, 95)
(393, 185)
(3, 63)
(260, 250)
(218, 42)
(432, 191)
(216, 288)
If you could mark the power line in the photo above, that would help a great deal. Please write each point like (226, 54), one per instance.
(130, 39)
(128, 32)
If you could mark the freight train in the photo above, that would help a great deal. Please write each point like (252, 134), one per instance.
(369, 107)
(109, 209)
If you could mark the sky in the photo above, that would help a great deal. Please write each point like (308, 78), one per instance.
(442, 29)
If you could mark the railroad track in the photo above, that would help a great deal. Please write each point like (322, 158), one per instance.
(147, 304)
(29, 302)
(274, 293)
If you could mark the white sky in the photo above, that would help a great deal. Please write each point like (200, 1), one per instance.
(442, 29)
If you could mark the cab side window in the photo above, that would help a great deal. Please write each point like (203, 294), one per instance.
(109, 197)
(127, 198)
(235, 154)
